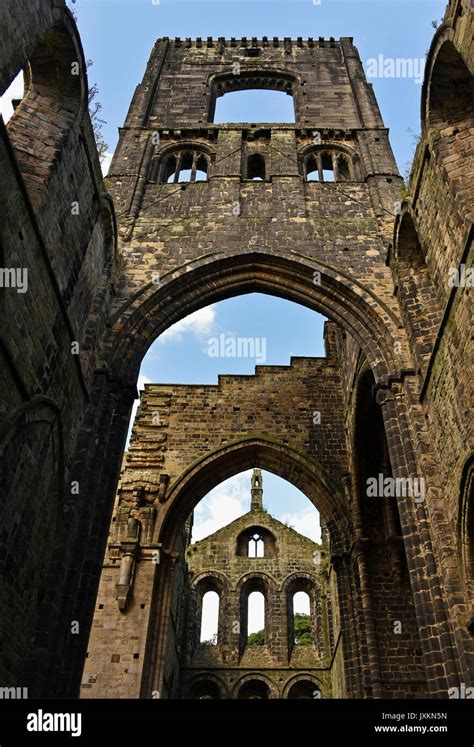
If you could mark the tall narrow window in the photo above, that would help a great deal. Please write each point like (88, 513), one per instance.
(256, 167)
(210, 618)
(52, 96)
(312, 171)
(328, 168)
(256, 619)
(302, 619)
(201, 169)
(256, 546)
(343, 169)
(169, 170)
(186, 168)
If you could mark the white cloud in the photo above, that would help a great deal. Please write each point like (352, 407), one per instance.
(305, 522)
(201, 323)
(14, 91)
(105, 165)
(301, 603)
(223, 504)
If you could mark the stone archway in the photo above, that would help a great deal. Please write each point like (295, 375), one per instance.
(286, 462)
(255, 686)
(324, 249)
(281, 459)
(373, 326)
(305, 686)
(353, 305)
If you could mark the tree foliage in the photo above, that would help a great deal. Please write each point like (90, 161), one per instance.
(302, 629)
(95, 107)
(256, 639)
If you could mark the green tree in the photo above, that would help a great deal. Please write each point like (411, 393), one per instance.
(256, 639)
(302, 629)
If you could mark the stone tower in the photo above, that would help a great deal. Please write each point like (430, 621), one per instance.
(257, 491)
(194, 212)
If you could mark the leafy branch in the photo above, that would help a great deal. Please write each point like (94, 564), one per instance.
(95, 107)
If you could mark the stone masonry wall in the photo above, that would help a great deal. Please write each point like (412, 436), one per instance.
(293, 564)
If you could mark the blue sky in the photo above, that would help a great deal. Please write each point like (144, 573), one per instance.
(118, 36)
(180, 355)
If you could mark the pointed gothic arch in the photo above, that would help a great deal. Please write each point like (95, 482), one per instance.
(356, 308)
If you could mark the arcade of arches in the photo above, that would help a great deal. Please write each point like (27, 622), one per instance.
(377, 434)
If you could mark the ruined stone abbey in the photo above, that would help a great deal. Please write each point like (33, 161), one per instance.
(99, 584)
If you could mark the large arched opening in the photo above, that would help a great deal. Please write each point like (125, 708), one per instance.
(165, 300)
(446, 112)
(185, 494)
(369, 323)
(55, 90)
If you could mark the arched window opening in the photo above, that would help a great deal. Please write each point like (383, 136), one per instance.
(210, 618)
(450, 120)
(302, 634)
(256, 548)
(380, 521)
(380, 515)
(256, 619)
(256, 167)
(304, 690)
(53, 97)
(257, 105)
(328, 166)
(205, 690)
(254, 690)
(256, 542)
(184, 166)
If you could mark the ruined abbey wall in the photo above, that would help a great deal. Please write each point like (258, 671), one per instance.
(390, 276)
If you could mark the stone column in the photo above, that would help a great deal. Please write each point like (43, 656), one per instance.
(434, 629)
